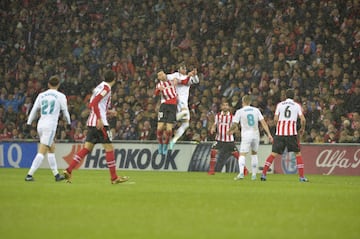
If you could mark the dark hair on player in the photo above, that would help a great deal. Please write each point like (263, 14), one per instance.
(54, 81)
(290, 93)
(109, 76)
(182, 66)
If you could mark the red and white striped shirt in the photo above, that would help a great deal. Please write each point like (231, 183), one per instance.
(288, 112)
(168, 94)
(99, 104)
(223, 122)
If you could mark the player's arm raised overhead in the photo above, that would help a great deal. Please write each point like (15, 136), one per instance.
(194, 79)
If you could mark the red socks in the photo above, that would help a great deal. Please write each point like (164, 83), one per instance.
(168, 135)
(212, 162)
(159, 135)
(300, 166)
(111, 163)
(77, 158)
(268, 163)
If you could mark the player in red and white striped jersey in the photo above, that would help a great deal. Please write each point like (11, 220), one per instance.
(224, 146)
(167, 112)
(286, 114)
(98, 128)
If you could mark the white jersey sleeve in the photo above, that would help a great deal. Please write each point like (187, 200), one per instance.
(194, 80)
(64, 108)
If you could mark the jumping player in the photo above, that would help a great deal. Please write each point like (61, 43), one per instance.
(183, 112)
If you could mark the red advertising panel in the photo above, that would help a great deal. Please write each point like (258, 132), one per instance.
(326, 159)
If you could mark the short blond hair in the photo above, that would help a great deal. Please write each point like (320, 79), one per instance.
(246, 99)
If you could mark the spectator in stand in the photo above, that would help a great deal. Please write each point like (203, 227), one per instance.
(146, 131)
(312, 114)
(132, 134)
(356, 137)
(311, 138)
(331, 135)
(10, 115)
(75, 52)
(353, 101)
(78, 135)
(13, 101)
(6, 134)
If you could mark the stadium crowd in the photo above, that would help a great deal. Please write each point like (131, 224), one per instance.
(256, 47)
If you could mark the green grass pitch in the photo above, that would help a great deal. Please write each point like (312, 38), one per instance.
(177, 205)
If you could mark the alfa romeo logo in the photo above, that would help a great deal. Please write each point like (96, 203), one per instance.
(288, 162)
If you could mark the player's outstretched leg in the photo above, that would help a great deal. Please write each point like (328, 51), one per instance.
(179, 132)
(268, 163)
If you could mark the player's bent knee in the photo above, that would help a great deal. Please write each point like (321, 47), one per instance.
(186, 124)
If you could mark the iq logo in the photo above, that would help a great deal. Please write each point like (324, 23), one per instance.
(288, 162)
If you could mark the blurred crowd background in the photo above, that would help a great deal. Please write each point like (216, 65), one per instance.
(256, 47)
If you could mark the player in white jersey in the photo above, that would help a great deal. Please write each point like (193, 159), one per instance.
(183, 112)
(49, 103)
(98, 129)
(249, 118)
(286, 114)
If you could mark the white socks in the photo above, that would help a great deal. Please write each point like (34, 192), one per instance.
(38, 160)
(52, 163)
(36, 163)
(180, 131)
(241, 164)
(254, 164)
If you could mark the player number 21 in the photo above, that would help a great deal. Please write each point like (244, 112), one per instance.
(47, 107)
